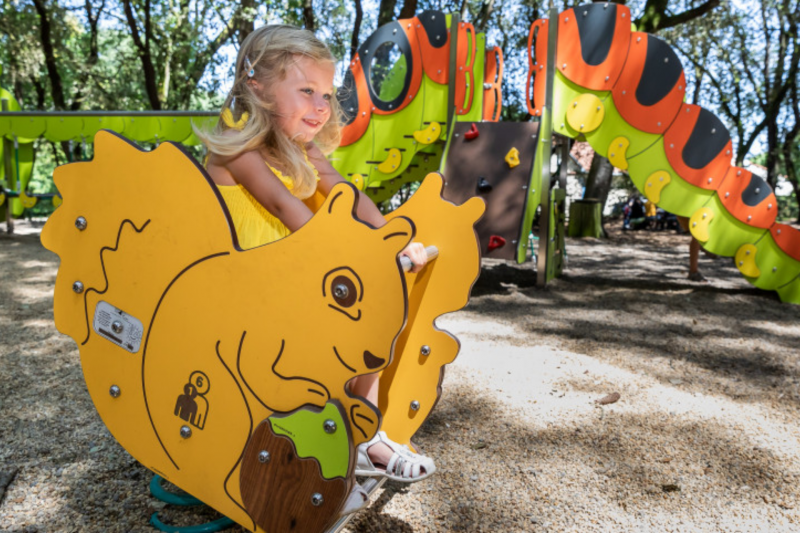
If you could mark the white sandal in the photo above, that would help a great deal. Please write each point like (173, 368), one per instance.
(404, 465)
(357, 499)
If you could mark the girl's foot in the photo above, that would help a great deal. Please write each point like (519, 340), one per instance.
(383, 457)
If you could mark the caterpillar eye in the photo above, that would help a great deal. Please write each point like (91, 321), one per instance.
(344, 291)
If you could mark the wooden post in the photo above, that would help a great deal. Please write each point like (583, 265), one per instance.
(8, 150)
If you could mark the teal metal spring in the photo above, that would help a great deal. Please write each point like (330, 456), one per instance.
(185, 499)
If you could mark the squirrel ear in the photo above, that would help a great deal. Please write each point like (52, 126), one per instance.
(341, 200)
(398, 232)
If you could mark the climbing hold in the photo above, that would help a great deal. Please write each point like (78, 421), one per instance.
(496, 241)
(391, 163)
(618, 151)
(654, 184)
(483, 185)
(746, 260)
(512, 157)
(57, 200)
(700, 221)
(2, 197)
(27, 201)
(429, 134)
(586, 114)
(359, 181)
(472, 133)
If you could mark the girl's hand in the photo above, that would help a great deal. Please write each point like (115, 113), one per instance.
(416, 253)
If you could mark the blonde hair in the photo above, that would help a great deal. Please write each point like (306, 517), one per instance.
(271, 50)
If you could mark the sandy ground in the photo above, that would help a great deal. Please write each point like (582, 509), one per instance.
(704, 436)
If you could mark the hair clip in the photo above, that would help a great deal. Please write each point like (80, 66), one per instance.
(249, 66)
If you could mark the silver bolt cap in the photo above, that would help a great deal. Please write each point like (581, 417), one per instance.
(263, 456)
(186, 432)
(329, 426)
(114, 391)
(77, 287)
(317, 499)
(80, 223)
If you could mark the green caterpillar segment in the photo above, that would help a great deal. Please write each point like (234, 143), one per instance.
(323, 435)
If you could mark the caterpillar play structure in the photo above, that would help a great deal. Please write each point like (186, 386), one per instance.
(623, 91)
(224, 371)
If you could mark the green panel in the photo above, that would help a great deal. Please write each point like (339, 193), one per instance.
(142, 129)
(534, 190)
(352, 159)
(556, 247)
(202, 123)
(13, 105)
(63, 128)
(435, 105)
(777, 268)
(175, 129)
(91, 125)
(423, 163)
(614, 126)
(678, 196)
(726, 234)
(790, 293)
(564, 93)
(27, 129)
(306, 430)
(392, 84)
(22, 174)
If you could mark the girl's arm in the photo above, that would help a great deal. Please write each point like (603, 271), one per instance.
(250, 170)
(365, 208)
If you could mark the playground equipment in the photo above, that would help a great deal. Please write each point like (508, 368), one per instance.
(623, 91)
(200, 357)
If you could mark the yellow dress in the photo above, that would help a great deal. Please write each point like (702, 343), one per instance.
(254, 225)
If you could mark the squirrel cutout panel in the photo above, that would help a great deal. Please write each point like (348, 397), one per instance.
(188, 343)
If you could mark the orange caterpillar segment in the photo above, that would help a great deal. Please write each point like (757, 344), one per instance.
(465, 61)
(537, 67)
(592, 44)
(652, 85)
(356, 105)
(699, 147)
(492, 89)
(748, 198)
(434, 44)
(788, 239)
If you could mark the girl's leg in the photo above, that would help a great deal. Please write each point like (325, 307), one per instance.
(367, 386)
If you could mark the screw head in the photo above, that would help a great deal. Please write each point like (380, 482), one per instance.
(317, 499)
(263, 456)
(425, 350)
(340, 291)
(80, 223)
(77, 287)
(114, 391)
(117, 327)
(329, 426)
(415, 405)
(186, 432)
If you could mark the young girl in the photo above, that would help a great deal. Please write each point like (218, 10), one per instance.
(267, 155)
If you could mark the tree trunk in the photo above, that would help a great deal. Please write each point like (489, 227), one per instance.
(408, 10)
(772, 154)
(586, 219)
(356, 30)
(148, 69)
(386, 12)
(245, 22)
(308, 15)
(598, 183)
(56, 85)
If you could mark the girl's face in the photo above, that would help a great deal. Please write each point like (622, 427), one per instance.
(303, 98)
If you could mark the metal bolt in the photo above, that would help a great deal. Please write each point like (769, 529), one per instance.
(186, 432)
(779, 232)
(263, 456)
(317, 499)
(114, 391)
(705, 215)
(694, 224)
(340, 291)
(774, 269)
(749, 217)
(666, 60)
(741, 263)
(747, 252)
(116, 326)
(727, 194)
(329, 426)
(769, 206)
(425, 350)
(77, 287)
(80, 223)
(713, 131)
(758, 190)
(415, 405)
(739, 173)
(709, 180)
(623, 93)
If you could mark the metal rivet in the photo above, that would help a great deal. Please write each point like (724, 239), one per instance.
(705, 215)
(638, 39)
(623, 93)
(425, 350)
(727, 194)
(317, 499)
(613, 154)
(666, 60)
(709, 180)
(659, 124)
(80, 223)
(566, 19)
(394, 31)
(694, 224)
(114, 391)
(606, 78)
(769, 206)
(415, 405)
(739, 173)
(774, 269)
(263, 456)
(741, 263)
(758, 190)
(672, 146)
(747, 252)
(329, 426)
(564, 65)
(77, 287)
(186, 432)
(585, 13)
(749, 217)
(661, 178)
(598, 108)
(340, 291)
(779, 232)
(575, 103)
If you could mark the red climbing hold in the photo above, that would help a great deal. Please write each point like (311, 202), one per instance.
(472, 133)
(496, 241)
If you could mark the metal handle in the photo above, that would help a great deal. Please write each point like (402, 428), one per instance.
(431, 251)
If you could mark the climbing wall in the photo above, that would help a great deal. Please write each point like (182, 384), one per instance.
(493, 160)
(623, 92)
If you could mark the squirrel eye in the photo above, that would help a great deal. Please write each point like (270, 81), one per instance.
(344, 291)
